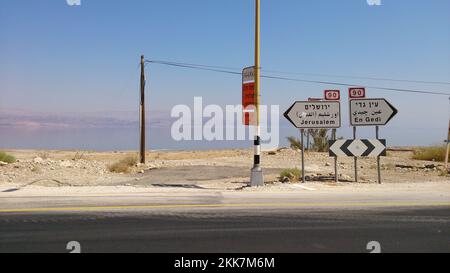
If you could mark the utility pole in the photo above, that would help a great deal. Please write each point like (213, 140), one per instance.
(142, 111)
(257, 177)
(448, 149)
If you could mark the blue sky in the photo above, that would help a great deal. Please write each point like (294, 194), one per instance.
(59, 58)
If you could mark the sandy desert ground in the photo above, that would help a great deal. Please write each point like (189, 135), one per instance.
(218, 170)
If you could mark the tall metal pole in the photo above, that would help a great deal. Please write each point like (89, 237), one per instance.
(378, 158)
(356, 159)
(336, 178)
(257, 177)
(303, 155)
(308, 134)
(142, 111)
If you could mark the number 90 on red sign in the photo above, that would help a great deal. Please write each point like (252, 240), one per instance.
(357, 93)
(332, 95)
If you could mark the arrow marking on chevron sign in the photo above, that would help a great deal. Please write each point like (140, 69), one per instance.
(358, 148)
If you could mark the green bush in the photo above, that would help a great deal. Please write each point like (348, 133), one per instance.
(436, 154)
(4, 157)
(124, 165)
(291, 175)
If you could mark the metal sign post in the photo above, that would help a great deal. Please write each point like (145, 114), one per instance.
(302, 131)
(336, 175)
(378, 158)
(356, 158)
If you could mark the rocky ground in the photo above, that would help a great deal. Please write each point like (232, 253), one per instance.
(227, 168)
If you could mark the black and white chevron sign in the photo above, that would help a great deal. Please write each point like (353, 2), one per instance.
(358, 148)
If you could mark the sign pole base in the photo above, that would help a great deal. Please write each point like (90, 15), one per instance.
(257, 177)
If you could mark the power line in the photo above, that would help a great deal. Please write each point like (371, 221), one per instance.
(362, 78)
(308, 74)
(227, 70)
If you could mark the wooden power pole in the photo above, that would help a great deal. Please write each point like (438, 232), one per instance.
(142, 111)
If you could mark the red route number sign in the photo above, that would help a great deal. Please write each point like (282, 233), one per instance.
(332, 95)
(357, 93)
(248, 103)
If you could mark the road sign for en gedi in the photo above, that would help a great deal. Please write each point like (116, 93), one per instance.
(248, 96)
(333, 95)
(315, 115)
(371, 112)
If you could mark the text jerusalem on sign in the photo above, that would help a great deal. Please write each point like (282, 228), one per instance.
(315, 115)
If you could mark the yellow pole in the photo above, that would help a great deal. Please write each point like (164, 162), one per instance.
(257, 60)
(257, 177)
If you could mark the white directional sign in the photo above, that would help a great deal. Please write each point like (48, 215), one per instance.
(371, 112)
(315, 115)
(358, 148)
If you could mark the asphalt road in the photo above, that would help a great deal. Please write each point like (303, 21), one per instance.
(239, 229)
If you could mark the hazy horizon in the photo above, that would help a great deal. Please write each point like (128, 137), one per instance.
(120, 132)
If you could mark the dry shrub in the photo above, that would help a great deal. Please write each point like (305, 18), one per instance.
(124, 165)
(436, 154)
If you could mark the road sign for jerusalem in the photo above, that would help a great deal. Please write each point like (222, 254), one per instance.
(371, 112)
(315, 115)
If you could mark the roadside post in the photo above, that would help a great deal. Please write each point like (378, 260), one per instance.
(377, 128)
(302, 132)
(448, 148)
(356, 93)
(336, 174)
(355, 158)
(370, 112)
(142, 112)
(257, 176)
(313, 115)
(334, 95)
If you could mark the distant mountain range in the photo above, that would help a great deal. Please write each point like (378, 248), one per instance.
(119, 119)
